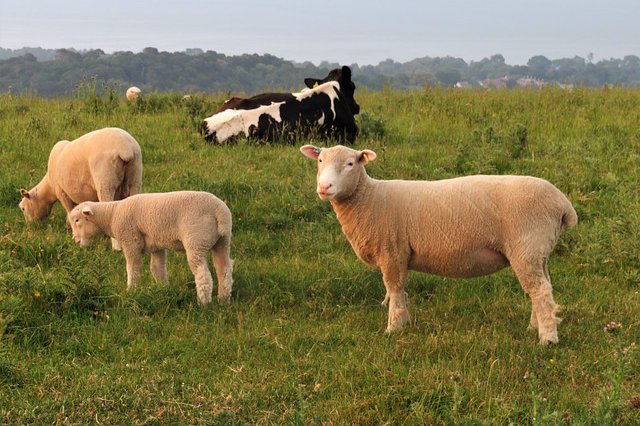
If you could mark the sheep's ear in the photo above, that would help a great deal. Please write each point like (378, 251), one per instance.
(367, 155)
(310, 151)
(87, 211)
(25, 193)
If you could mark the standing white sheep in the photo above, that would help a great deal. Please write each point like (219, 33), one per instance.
(102, 165)
(460, 228)
(194, 222)
(133, 93)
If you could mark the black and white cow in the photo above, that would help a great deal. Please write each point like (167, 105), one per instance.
(326, 108)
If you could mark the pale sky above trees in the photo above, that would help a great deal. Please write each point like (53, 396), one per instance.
(356, 31)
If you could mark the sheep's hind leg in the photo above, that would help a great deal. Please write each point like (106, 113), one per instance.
(224, 269)
(202, 275)
(158, 265)
(394, 277)
(534, 279)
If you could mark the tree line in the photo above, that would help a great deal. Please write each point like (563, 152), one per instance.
(45, 72)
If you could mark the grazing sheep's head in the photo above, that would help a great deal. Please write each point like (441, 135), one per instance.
(82, 226)
(133, 93)
(339, 169)
(32, 207)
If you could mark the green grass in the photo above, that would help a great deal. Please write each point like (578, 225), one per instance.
(303, 341)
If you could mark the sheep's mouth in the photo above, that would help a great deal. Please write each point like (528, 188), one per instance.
(325, 195)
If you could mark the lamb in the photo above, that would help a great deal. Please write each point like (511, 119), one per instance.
(460, 228)
(189, 221)
(133, 93)
(102, 165)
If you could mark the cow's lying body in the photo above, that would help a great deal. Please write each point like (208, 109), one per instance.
(326, 109)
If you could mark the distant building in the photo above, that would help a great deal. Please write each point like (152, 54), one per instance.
(495, 83)
(530, 82)
(463, 85)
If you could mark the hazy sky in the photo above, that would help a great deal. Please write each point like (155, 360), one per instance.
(362, 31)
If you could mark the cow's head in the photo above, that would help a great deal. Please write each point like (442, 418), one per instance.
(343, 77)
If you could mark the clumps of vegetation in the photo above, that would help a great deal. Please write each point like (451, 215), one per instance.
(370, 126)
(153, 103)
(96, 100)
(36, 128)
(196, 107)
(491, 151)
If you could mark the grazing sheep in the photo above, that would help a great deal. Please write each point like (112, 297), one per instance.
(194, 222)
(460, 228)
(102, 165)
(133, 93)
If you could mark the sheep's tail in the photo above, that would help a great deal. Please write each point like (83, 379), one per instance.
(132, 180)
(569, 217)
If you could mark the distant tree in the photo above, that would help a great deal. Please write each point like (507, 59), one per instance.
(539, 66)
(210, 71)
(448, 77)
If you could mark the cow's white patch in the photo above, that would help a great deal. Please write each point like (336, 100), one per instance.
(232, 122)
(321, 119)
(330, 88)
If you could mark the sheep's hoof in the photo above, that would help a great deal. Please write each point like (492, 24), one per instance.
(225, 300)
(551, 338)
(397, 320)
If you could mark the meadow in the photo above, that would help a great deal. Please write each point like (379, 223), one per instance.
(303, 340)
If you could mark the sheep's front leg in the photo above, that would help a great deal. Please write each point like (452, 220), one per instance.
(107, 193)
(394, 275)
(204, 281)
(67, 203)
(158, 265)
(133, 258)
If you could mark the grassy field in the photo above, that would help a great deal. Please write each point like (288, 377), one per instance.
(303, 341)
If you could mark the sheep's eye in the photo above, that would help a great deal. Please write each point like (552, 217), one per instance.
(319, 160)
(350, 163)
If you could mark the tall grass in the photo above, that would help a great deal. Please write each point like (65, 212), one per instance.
(303, 340)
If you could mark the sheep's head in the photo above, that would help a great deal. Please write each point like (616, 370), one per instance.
(33, 208)
(133, 93)
(339, 169)
(82, 225)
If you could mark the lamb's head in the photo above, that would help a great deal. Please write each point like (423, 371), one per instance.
(33, 208)
(339, 169)
(82, 225)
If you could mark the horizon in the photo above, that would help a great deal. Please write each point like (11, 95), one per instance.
(587, 57)
(357, 32)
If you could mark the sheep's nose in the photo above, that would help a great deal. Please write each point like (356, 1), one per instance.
(324, 187)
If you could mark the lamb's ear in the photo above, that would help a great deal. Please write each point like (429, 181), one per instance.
(87, 211)
(24, 193)
(367, 155)
(310, 151)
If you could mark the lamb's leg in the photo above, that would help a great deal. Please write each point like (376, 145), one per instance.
(133, 258)
(158, 265)
(224, 269)
(200, 268)
(394, 275)
(534, 279)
